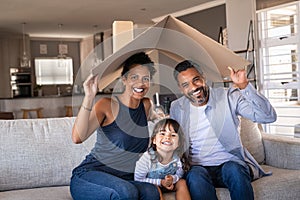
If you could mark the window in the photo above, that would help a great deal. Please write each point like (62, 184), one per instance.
(53, 71)
(278, 35)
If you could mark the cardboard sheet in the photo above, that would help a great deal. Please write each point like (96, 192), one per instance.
(179, 41)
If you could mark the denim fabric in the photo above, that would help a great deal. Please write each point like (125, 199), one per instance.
(98, 185)
(92, 180)
(203, 180)
(161, 171)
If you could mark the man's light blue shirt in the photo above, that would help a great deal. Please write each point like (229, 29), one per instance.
(223, 110)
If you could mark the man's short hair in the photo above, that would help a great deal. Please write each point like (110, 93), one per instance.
(184, 65)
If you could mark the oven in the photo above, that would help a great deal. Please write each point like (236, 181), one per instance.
(21, 84)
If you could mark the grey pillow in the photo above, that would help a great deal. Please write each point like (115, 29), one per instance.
(252, 139)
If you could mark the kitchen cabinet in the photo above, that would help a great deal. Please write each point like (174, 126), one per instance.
(11, 49)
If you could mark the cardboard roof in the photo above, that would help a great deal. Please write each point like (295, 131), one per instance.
(179, 41)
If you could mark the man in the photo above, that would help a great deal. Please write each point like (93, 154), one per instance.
(210, 120)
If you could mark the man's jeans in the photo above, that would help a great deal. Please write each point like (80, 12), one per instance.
(203, 180)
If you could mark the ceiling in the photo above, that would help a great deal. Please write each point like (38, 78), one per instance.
(82, 18)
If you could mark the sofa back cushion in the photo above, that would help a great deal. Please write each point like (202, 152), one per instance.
(252, 139)
(38, 152)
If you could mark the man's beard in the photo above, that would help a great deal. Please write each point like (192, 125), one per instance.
(204, 92)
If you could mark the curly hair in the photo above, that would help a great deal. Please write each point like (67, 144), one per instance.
(140, 58)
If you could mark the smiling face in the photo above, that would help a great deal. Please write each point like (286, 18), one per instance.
(166, 140)
(137, 81)
(192, 84)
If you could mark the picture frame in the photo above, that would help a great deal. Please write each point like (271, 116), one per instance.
(63, 49)
(43, 49)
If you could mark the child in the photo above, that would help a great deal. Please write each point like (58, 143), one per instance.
(162, 164)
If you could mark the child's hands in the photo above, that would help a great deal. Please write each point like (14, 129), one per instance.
(167, 182)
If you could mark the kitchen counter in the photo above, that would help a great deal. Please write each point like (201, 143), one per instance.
(53, 105)
(57, 96)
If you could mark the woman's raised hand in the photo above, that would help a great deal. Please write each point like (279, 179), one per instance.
(90, 85)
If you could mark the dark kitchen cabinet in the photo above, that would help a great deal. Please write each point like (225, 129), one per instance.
(11, 49)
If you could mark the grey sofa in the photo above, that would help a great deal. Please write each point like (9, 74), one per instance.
(37, 157)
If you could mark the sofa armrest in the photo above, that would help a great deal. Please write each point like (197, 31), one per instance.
(282, 151)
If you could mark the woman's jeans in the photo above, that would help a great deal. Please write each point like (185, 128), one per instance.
(203, 180)
(89, 183)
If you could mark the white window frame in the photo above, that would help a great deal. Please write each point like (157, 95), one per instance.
(270, 80)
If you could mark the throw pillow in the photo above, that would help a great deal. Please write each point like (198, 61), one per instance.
(252, 139)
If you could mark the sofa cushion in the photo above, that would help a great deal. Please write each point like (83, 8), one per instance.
(46, 193)
(252, 139)
(282, 184)
(37, 153)
(282, 151)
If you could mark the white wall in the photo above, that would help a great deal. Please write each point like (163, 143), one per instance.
(238, 16)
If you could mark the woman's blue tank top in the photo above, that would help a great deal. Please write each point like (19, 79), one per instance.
(120, 143)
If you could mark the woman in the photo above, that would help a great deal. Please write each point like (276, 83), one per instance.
(122, 134)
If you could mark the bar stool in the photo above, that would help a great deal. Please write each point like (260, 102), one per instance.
(69, 111)
(26, 112)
